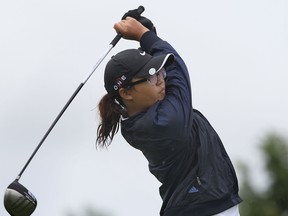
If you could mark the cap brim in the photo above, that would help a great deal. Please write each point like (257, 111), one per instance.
(156, 62)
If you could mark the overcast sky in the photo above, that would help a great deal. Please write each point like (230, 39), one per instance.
(237, 54)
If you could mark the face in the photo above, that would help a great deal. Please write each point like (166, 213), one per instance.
(144, 92)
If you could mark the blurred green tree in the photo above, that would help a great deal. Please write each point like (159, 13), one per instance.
(273, 201)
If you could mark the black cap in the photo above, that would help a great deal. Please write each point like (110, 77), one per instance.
(130, 63)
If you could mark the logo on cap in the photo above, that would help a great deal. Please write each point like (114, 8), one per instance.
(119, 82)
(142, 53)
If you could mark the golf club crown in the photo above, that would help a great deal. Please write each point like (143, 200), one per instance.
(18, 200)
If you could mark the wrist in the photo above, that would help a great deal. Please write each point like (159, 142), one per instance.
(141, 33)
(148, 39)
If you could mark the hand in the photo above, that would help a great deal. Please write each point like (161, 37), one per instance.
(130, 28)
(147, 23)
(133, 13)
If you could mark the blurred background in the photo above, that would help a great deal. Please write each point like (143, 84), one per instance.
(236, 52)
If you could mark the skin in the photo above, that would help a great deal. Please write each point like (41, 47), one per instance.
(141, 96)
(130, 29)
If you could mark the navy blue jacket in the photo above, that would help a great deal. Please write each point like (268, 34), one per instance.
(183, 150)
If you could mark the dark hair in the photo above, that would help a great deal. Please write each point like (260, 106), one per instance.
(110, 110)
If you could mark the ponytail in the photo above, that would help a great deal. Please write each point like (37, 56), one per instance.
(110, 113)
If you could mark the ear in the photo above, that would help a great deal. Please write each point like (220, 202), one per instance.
(125, 94)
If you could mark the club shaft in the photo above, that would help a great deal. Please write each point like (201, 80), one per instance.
(50, 129)
(99, 62)
(111, 45)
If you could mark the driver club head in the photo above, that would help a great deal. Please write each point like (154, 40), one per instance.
(18, 200)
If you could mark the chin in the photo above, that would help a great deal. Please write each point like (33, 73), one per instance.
(161, 98)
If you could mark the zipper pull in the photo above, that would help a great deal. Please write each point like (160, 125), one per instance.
(198, 180)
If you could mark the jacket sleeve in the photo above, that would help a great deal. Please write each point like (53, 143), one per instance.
(175, 111)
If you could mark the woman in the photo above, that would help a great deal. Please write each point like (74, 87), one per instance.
(149, 94)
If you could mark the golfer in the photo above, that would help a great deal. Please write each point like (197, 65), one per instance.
(149, 95)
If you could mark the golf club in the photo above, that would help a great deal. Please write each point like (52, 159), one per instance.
(18, 200)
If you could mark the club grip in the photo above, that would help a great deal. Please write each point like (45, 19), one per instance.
(140, 9)
(116, 39)
(135, 14)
